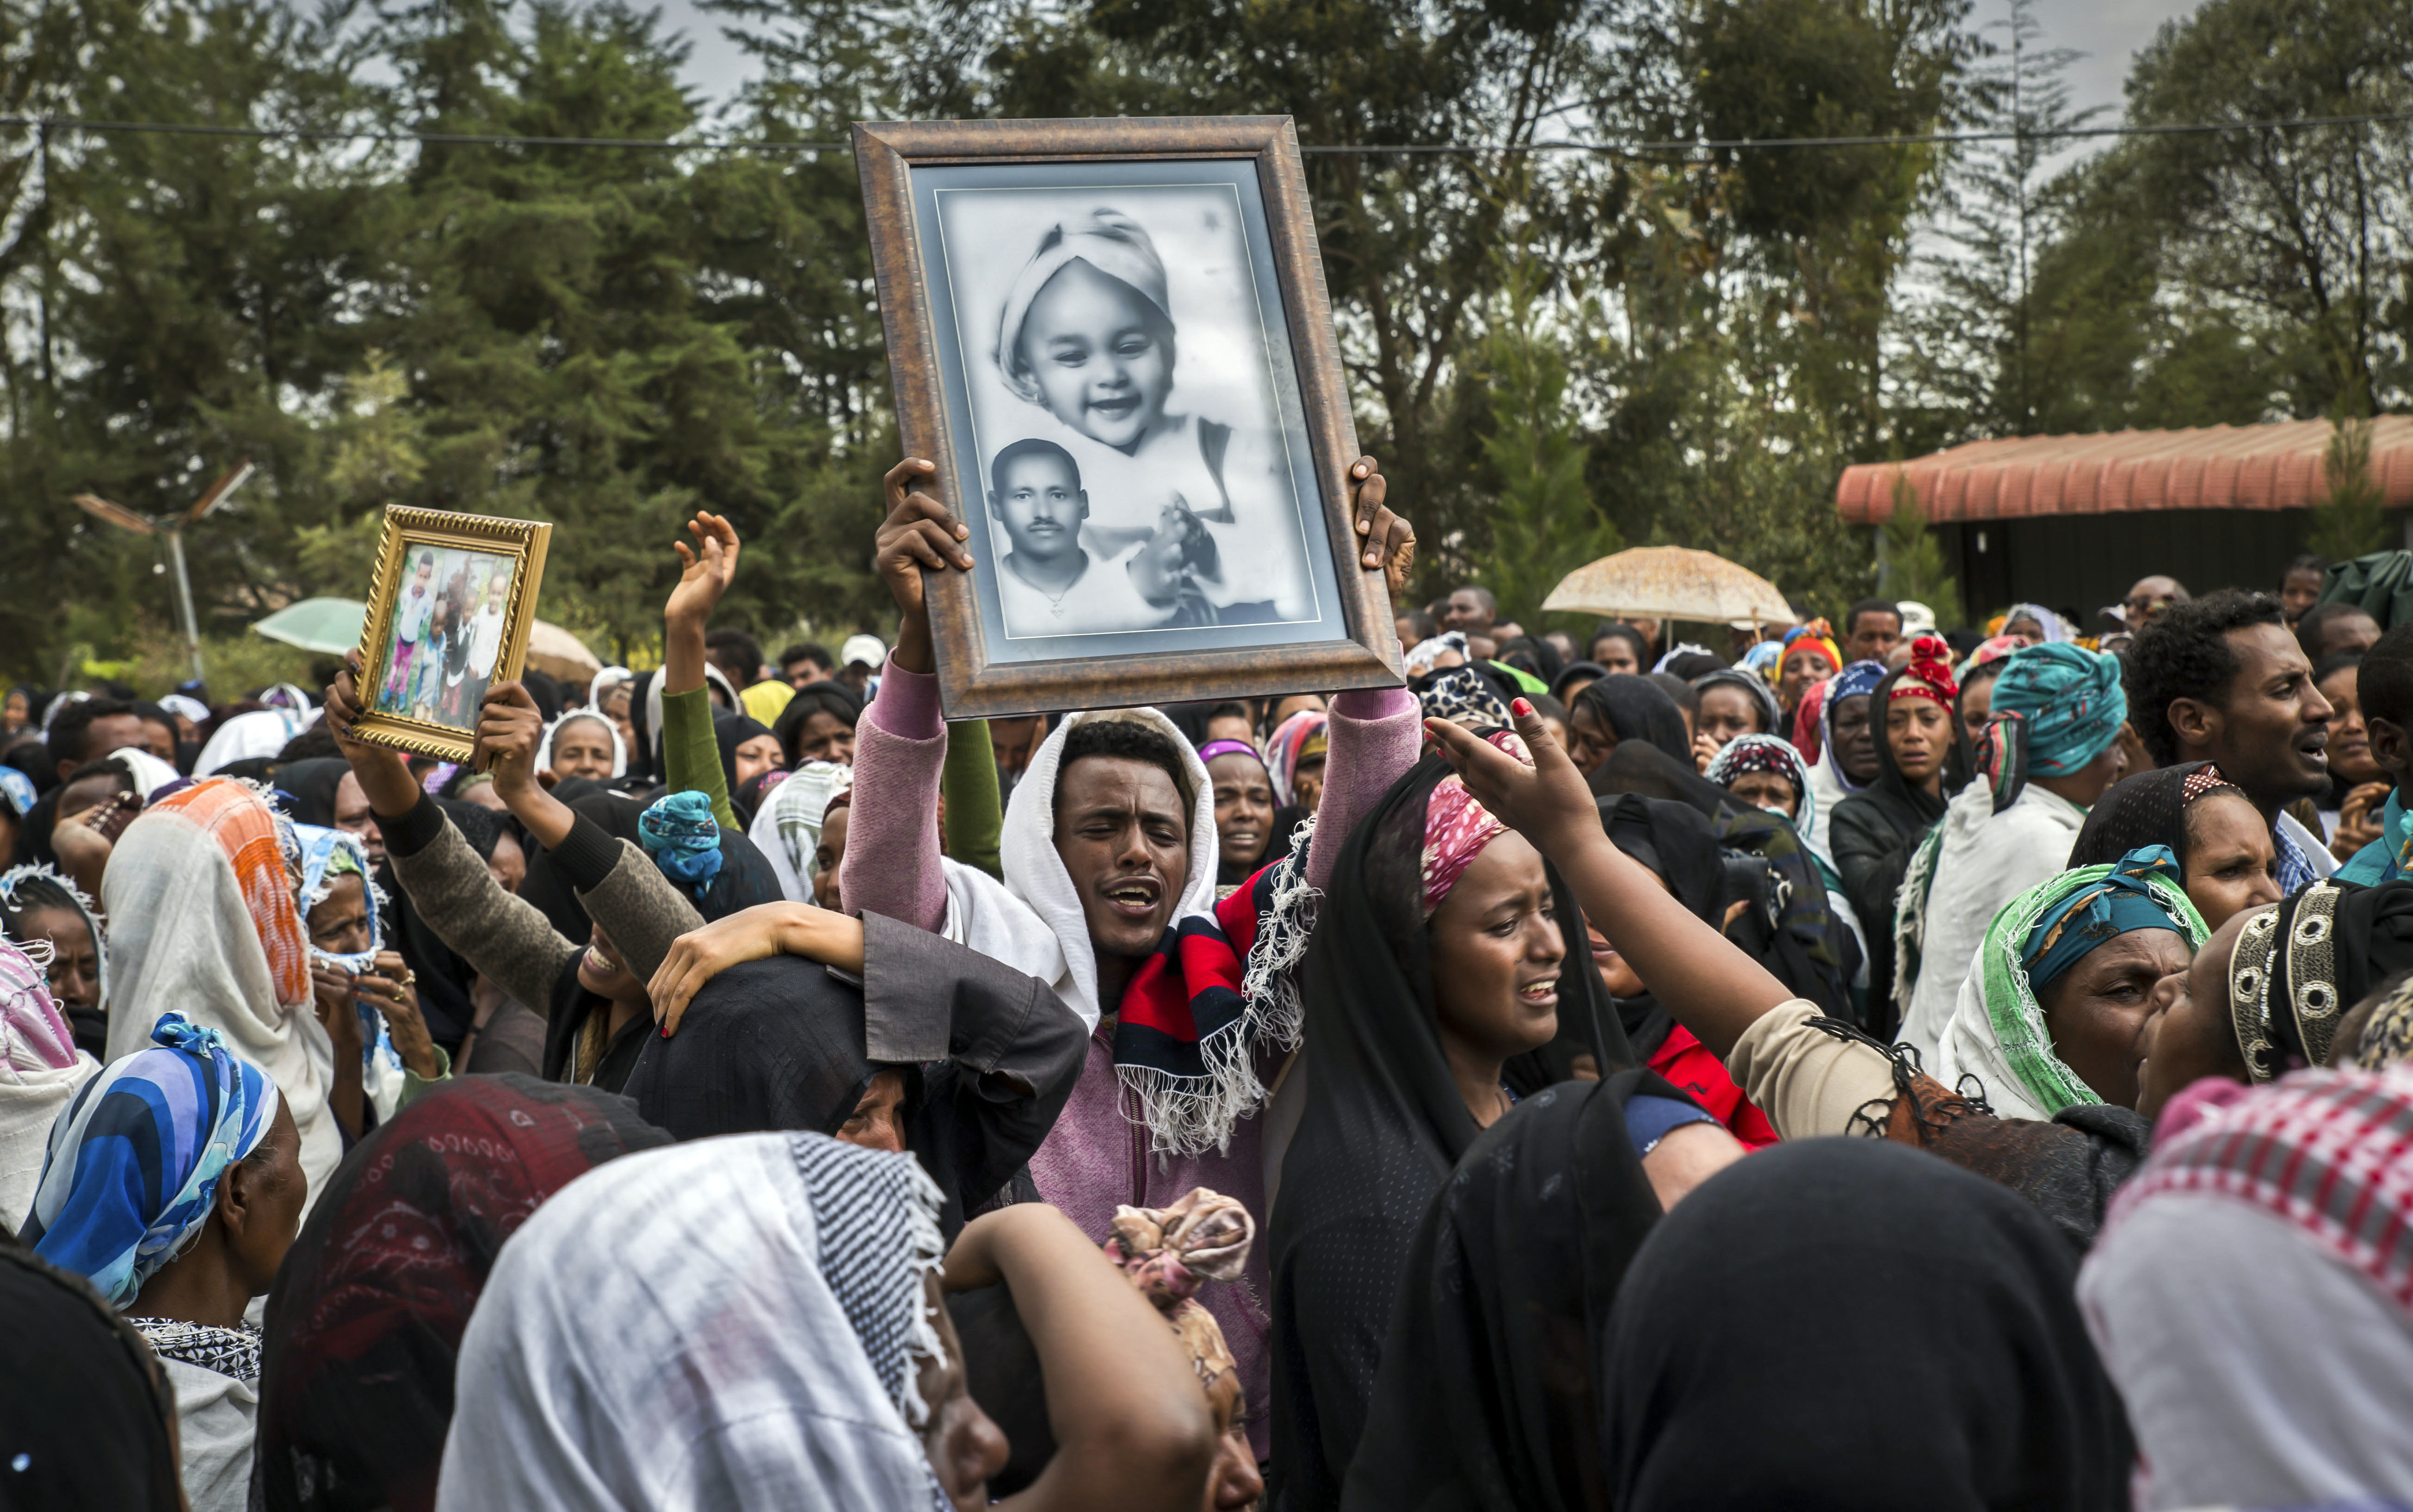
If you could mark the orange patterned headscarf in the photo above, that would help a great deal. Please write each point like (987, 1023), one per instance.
(240, 820)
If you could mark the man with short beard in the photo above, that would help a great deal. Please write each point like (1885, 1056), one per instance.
(2221, 680)
(1108, 852)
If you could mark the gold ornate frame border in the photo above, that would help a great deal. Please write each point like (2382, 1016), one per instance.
(406, 528)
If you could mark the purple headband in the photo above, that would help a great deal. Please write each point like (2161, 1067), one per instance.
(1216, 748)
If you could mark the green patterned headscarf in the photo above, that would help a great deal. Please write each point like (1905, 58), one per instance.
(1998, 1031)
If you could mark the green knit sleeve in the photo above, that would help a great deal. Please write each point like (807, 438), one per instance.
(975, 815)
(690, 757)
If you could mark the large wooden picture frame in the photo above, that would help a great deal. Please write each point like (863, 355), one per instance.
(1026, 270)
(449, 614)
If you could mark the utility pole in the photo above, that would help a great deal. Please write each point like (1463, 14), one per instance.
(172, 527)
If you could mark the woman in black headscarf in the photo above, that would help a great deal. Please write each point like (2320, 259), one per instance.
(85, 1415)
(818, 725)
(748, 749)
(2226, 861)
(1486, 1401)
(1574, 678)
(883, 1035)
(1845, 1323)
(1420, 991)
(1874, 832)
(311, 784)
(1622, 707)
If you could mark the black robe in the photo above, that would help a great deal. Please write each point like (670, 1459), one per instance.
(990, 1056)
(1384, 1122)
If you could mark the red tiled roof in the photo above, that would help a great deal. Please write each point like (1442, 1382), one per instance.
(2217, 467)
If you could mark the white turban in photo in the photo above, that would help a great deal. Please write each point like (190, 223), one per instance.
(1110, 241)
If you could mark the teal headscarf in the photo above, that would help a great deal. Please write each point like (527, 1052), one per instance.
(2120, 902)
(2056, 707)
(2049, 929)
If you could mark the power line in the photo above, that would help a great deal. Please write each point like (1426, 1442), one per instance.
(765, 144)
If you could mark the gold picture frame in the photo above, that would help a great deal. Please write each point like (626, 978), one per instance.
(443, 625)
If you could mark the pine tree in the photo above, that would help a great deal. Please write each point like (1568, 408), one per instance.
(1910, 560)
(1543, 523)
(2347, 523)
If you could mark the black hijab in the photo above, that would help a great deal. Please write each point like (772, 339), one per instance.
(1575, 672)
(770, 1044)
(641, 749)
(311, 784)
(1384, 1123)
(2148, 809)
(1487, 1400)
(1676, 843)
(1848, 1323)
(1791, 927)
(1533, 657)
(481, 826)
(84, 1413)
(445, 980)
(732, 728)
(836, 699)
(1635, 709)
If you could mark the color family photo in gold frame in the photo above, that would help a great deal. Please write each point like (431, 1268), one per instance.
(449, 615)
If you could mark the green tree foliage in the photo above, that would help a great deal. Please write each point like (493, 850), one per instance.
(1551, 352)
(2347, 522)
(1910, 563)
(1543, 523)
(2242, 276)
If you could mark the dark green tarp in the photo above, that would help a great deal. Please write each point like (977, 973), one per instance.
(2380, 585)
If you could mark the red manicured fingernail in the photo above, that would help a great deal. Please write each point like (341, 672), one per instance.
(1522, 708)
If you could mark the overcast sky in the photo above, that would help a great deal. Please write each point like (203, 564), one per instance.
(2109, 31)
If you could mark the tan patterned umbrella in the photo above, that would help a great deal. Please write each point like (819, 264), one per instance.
(557, 653)
(1671, 583)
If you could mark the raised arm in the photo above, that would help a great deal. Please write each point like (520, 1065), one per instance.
(618, 883)
(892, 844)
(690, 756)
(504, 939)
(1705, 983)
(1373, 736)
(1132, 1426)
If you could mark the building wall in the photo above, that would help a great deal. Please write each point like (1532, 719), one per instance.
(2078, 564)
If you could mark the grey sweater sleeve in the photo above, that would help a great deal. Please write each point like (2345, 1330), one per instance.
(511, 944)
(639, 909)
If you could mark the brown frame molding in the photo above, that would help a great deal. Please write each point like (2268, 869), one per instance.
(969, 685)
(406, 528)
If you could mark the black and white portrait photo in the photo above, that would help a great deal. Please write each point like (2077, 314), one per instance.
(1126, 413)
(1112, 337)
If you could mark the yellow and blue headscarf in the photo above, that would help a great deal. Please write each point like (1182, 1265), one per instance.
(133, 1164)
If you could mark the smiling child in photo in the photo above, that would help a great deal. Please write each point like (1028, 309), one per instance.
(1088, 334)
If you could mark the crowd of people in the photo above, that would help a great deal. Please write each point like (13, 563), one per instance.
(1864, 1067)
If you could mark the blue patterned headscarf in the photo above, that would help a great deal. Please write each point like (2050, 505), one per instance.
(326, 855)
(683, 840)
(2120, 901)
(1861, 676)
(133, 1164)
(2056, 707)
